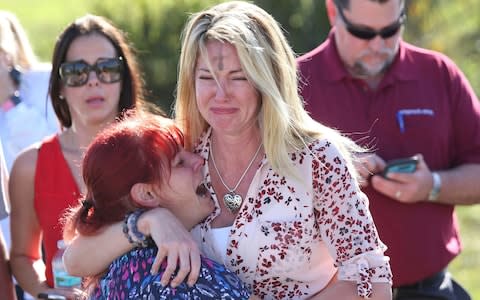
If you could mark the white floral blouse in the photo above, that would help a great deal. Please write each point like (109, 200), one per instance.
(291, 237)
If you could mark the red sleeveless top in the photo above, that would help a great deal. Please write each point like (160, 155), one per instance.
(55, 190)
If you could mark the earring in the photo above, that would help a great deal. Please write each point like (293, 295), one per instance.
(16, 75)
(61, 97)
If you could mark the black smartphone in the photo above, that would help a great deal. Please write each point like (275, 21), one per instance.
(48, 296)
(401, 165)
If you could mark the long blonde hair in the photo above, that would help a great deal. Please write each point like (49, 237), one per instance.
(14, 41)
(269, 63)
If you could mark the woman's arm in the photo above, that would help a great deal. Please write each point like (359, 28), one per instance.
(354, 243)
(82, 258)
(174, 242)
(26, 256)
(348, 290)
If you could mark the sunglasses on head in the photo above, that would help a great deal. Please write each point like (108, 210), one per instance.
(77, 73)
(366, 33)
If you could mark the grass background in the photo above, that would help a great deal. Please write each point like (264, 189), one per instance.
(44, 20)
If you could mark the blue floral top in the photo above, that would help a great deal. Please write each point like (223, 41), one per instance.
(128, 277)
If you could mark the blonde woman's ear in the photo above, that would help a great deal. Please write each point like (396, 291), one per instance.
(143, 194)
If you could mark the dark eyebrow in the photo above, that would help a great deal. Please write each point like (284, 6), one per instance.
(236, 71)
(231, 72)
(204, 69)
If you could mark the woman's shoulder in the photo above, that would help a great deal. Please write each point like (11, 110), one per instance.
(144, 257)
(22, 178)
(325, 146)
(132, 269)
(36, 77)
(26, 160)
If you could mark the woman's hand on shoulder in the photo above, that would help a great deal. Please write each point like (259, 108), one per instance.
(175, 244)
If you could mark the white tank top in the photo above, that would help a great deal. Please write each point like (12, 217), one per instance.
(220, 240)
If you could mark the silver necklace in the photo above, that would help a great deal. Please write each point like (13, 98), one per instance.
(232, 200)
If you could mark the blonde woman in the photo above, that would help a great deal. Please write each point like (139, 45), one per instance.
(290, 218)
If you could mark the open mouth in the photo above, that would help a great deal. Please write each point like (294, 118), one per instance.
(201, 190)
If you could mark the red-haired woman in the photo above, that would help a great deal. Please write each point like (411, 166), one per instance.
(135, 165)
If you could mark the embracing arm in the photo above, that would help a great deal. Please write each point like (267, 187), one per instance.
(348, 290)
(82, 258)
(174, 243)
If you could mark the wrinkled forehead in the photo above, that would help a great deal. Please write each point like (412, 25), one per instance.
(218, 55)
(90, 47)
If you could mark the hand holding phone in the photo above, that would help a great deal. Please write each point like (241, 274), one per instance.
(402, 165)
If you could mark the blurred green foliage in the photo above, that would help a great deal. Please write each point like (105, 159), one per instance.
(451, 27)
(155, 27)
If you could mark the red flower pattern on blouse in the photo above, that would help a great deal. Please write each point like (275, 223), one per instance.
(290, 236)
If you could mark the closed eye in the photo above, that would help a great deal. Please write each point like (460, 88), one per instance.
(205, 77)
(177, 161)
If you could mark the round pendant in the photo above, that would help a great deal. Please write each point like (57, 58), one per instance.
(232, 201)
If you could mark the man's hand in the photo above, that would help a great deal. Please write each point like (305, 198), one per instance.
(406, 187)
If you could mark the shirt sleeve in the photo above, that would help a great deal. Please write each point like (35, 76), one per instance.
(465, 116)
(346, 225)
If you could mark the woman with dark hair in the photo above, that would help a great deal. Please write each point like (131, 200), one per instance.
(140, 163)
(94, 78)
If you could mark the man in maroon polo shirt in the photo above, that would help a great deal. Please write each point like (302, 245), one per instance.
(398, 101)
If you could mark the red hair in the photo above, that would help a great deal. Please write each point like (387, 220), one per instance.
(137, 149)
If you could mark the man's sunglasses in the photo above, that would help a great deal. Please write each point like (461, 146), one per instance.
(366, 33)
(76, 73)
